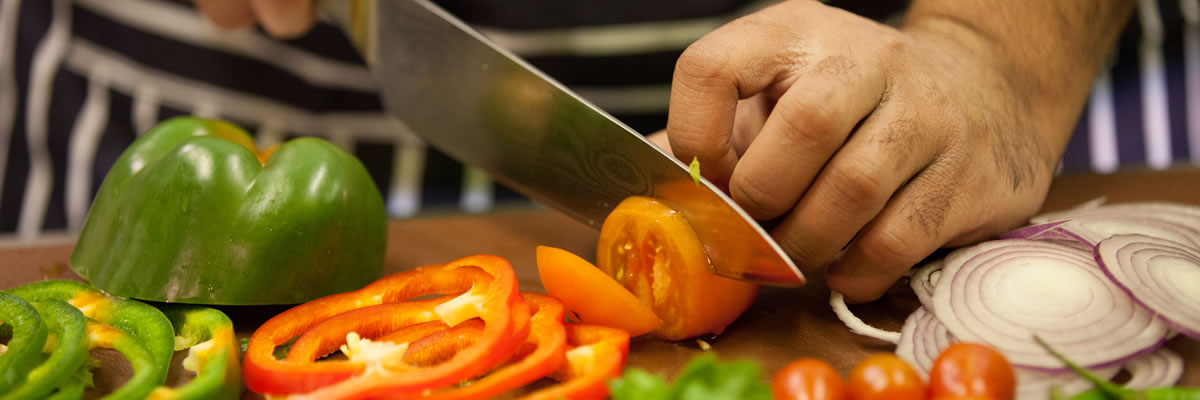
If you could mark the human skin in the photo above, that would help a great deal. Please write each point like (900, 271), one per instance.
(874, 146)
(870, 146)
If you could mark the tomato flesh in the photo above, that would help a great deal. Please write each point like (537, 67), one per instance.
(592, 296)
(651, 249)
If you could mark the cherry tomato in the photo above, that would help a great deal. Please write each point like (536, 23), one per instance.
(972, 369)
(808, 379)
(596, 298)
(884, 376)
(652, 250)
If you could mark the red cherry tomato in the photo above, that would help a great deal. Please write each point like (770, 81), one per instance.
(972, 369)
(808, 379)
(884, 376)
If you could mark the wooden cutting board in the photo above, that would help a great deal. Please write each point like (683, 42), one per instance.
(782, 325)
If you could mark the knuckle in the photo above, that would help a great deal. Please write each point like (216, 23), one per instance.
(892, 248)
(758, 195)
(856, 186)
(701, 63)
(809, 124)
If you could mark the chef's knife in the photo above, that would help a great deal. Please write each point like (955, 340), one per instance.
(484, 106)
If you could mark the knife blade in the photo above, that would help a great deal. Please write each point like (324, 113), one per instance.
(488, 108)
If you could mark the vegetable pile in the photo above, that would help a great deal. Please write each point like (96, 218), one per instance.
(459, 330)
(1105, 285)
(55, 323)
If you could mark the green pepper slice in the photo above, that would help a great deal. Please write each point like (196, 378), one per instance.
(146, 326)
(208, 335)
(146, 368)
(28, 337)
(67, 323)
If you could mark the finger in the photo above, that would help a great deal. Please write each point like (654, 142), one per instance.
(923, 215)
(808, 124)
(284, 18)
(660, 139)
(885, 152)
(749, 119)
(733, 62)
(228, 14)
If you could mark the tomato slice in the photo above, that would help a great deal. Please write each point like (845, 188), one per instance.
(595, 298)
(652, 250)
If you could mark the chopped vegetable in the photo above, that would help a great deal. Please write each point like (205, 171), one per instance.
(694, 170)
(596, 354)
(140, 332)
(28, 337)
(1109, 390)
(703, 378)
(208, 336)
(1002, 292)
(652, 251)
(191, 212)
(602, 301)
(67, 324)
(1161, 275)
(488, 279)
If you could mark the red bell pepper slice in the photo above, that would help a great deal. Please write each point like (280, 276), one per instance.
(596, 355)
(545, 347)
(490, 288)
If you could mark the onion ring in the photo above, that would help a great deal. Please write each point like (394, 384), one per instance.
(922, 340)
(924, 279)
(1004, 292)
(856, 325)
(1175, 222)
(1161, 275)
(1158, 369)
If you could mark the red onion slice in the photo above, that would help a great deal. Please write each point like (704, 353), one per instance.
(924, 279)
(922, 339)
(1161, 275)
(1162, 368)
(856, 325)
(1004, 292)
(1175, 222)
(1036, 385)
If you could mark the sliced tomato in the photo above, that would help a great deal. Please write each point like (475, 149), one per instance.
(592, 296)
(652, 250)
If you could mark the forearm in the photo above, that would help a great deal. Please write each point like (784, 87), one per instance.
(1049, 51)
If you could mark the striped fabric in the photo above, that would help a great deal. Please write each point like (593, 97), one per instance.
(80, 79)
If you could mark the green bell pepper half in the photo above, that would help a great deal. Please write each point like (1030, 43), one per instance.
(28, 338)
(191, 213)
(67, 324)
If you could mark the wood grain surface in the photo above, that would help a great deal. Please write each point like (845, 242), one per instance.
(783, 324)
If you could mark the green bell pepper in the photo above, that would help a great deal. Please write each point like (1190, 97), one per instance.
(28, 338)
(191, 213)
(146, 327)
(208, 336)
(68, 324)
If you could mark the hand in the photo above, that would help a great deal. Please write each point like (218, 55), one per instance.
(281, 18)
(875, 146)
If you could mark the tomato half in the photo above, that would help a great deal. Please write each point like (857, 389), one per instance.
(884, 376)
(972, 369)
(591, 295)
(808, 379)
(652, 250)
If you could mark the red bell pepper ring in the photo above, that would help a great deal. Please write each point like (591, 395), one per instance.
(596, 355)
(548, 339)
(490, 288)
